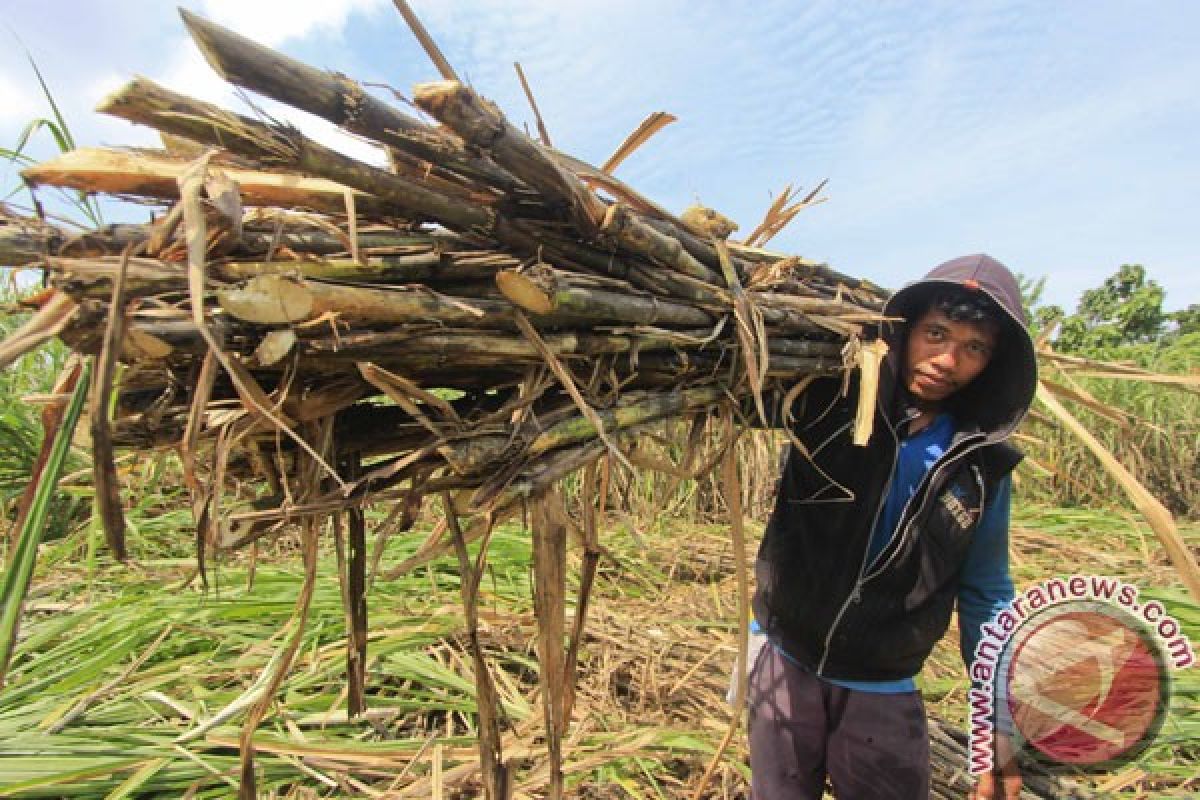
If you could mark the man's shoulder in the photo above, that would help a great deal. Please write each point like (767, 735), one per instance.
(999, 459)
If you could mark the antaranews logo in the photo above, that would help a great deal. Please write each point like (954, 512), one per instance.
(1076, 669)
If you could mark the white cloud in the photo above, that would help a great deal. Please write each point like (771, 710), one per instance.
(274, 21)
(16, 103)
(189, 73)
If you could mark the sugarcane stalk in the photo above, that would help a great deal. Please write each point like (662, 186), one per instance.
(477, 453)
(636, 236)
(481, 124)
(682, 363)
(497, 347)
(429, 268)
(779, 345)
(243, 62)
(93, 277)
(22, 244)
(145, 102)
(645, 276)
(543, 294)
(286, 299)
(93, 169)
(820, 271)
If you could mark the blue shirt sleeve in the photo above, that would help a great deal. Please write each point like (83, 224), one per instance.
(985, 585)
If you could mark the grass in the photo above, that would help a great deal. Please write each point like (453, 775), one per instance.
(1160, 442)
(126, 660)
(202, 650)
(115, 664)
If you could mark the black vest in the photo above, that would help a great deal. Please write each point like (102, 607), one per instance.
(816, 597)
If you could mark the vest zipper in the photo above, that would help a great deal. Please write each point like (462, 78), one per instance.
(856, 592)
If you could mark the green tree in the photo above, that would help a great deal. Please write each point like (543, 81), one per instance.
(1041, 317)
(1126, 310)
(1186, 320)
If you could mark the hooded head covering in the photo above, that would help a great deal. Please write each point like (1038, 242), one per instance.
(999, 397)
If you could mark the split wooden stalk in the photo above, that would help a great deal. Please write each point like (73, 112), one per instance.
(870, 357)
(537, 114)
(651, 125)
(426, 41)
(122, 172)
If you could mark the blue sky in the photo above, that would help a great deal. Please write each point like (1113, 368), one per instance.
(1058, 136)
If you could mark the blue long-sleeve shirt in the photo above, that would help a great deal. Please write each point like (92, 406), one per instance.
(985, 585)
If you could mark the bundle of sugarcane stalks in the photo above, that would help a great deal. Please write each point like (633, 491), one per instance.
(475, 322)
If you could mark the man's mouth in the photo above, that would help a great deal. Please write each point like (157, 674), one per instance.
(933, 382)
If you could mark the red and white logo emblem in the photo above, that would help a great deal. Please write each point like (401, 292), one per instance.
(1086, 684)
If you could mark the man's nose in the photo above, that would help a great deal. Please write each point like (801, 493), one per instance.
(947, 357)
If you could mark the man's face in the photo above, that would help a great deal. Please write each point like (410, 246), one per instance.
(943, 356)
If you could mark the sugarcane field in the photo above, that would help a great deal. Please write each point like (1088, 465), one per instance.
(541, 400)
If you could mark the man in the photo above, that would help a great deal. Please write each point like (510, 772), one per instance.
(869, 548)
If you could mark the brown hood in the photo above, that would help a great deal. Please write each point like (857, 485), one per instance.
(997, 400)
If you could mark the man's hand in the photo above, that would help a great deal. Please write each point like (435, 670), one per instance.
(1001, 785)
(1004, 781)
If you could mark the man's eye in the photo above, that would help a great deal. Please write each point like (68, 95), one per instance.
(935, 334)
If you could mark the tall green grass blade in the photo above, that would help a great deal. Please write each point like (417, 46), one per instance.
(20, 570)
(60, 131)
(63, 132)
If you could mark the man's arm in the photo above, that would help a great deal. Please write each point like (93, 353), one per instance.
(985, 589)
(985, 585)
